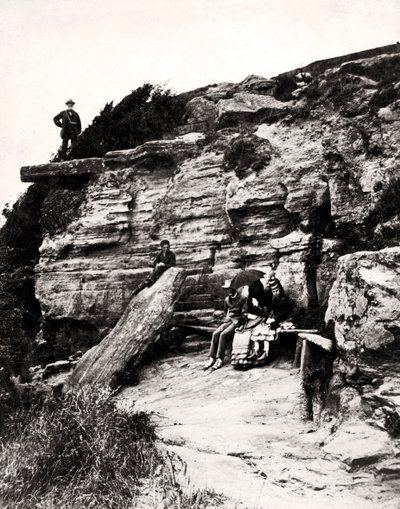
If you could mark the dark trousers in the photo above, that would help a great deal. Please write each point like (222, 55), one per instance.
(150, 280)
(220, 338)
(156, 274)
(64, 145)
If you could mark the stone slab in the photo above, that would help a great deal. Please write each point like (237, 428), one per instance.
(39, 172)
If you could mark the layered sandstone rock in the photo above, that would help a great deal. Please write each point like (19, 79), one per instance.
(319, 168)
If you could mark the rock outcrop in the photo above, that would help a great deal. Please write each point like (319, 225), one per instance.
(295, 183)
(137, 330)
(293, 174)
(364, 305)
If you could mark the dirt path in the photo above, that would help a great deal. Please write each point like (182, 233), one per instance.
(239, 433)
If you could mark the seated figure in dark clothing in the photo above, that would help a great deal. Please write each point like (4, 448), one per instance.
(267, 310)
(233, 308)
(272, 304)
(164, 260)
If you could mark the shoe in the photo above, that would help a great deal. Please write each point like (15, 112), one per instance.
(210, 364)
(253, 356)
(262, 357)
(217, 365)
(139, 288)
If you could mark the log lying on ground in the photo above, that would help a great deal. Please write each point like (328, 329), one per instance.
(139, 327)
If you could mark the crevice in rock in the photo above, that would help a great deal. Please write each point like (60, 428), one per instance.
(65, 336)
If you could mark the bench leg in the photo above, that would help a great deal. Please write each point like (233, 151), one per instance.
(297, 354)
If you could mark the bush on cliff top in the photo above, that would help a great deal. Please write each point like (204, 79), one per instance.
(148, 113)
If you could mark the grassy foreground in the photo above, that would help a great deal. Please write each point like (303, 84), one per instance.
(81, 452)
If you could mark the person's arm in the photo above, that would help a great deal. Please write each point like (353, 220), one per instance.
(226, 307)
(157, 260)
(79, 124)
(281, 311)
(173, 260)
(57, 119)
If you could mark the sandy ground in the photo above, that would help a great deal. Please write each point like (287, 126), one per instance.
(239, 433)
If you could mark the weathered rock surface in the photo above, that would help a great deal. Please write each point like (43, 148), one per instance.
(321, 182)
(57, 367)
(249, 107)
(325, 161)
(359, 445)
(88, 166)
(239, 433)
(364, 304)
(136, 331)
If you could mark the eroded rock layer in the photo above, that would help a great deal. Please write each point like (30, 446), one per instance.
(295, 183)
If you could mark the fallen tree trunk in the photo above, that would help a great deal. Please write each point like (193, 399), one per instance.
(139, 327)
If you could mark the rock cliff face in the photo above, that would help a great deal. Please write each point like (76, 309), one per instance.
(248, 181)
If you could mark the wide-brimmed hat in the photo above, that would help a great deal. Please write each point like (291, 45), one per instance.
(70, 101)
(227, 283)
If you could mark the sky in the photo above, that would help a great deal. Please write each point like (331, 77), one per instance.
(96, 51)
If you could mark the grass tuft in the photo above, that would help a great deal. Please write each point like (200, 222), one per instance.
(77, 452)
(81, 452)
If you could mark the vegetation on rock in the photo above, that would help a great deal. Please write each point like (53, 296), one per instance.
(247, 152)
(148, 113)
(20, 313)
(62, 202)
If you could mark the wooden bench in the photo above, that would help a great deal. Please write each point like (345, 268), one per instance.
(304, 339)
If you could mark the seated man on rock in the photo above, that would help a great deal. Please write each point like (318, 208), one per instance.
(164, 260)
(233, 307)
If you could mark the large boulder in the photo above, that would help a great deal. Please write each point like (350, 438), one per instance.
(244, 107)
(139, 327)
(364, 305)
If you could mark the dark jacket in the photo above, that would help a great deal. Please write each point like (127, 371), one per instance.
(274, 304)
(69, 122)
(233, 307)
(169, 259)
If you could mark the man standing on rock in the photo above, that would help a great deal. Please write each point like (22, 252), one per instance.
(70, 124)
(164, 260)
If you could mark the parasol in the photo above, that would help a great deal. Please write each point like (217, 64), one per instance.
(246, 277)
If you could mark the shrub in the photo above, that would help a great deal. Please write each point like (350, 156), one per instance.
(81, 453)
(245, 152)
(20, 239)
(61, 205)
(148, 113)
(75, 450)
(285, 85)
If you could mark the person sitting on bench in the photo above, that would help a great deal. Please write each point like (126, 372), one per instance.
(233, 307)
